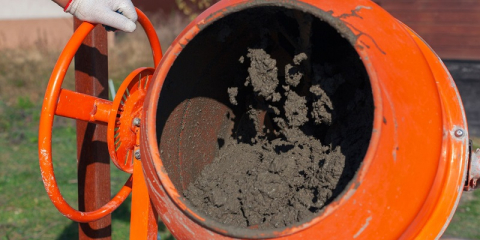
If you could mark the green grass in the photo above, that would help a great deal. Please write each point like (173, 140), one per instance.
(25, 209)
(465, 222)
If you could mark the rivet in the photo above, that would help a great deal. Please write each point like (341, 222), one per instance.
(459, 133)
(137, 154)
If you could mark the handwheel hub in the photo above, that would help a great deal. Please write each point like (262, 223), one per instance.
(128, 105)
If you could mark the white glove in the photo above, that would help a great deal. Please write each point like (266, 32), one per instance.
(105, 12)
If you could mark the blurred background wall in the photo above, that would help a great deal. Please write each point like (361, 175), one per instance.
(24, 23)
(42, 23)
(452, 29)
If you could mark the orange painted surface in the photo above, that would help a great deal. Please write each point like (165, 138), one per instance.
(143, 221)
(83, 107)
(127, 105)
(45, 137)
(90, 109)
(413, 173)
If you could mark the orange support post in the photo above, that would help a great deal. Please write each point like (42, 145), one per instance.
(92, 152)
(143, 222)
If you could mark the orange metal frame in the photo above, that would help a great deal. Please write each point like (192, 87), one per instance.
(79, 106)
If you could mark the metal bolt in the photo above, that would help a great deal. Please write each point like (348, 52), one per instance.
(136, 122)
(459, 133)
(137, 154)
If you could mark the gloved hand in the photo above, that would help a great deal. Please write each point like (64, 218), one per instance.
(105, 12)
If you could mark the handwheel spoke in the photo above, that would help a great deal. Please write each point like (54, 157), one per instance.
(84, 107)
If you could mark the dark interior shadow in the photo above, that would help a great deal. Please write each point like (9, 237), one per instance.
(215, 60)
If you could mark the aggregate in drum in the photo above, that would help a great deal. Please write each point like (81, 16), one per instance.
(273, 171)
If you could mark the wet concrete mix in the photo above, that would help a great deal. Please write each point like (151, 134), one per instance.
(276, 169)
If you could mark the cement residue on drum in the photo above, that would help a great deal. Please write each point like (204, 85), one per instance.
(274, 170)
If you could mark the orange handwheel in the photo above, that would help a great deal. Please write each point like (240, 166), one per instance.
(121, 136)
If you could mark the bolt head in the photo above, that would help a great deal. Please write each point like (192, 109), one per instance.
(137, 154)
(459, 133)
(136, 122)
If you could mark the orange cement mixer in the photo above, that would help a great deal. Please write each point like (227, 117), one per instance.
(410, 176)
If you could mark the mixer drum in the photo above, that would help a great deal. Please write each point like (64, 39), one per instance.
(405, 142)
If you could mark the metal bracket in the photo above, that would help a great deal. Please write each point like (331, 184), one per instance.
(473, 169)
